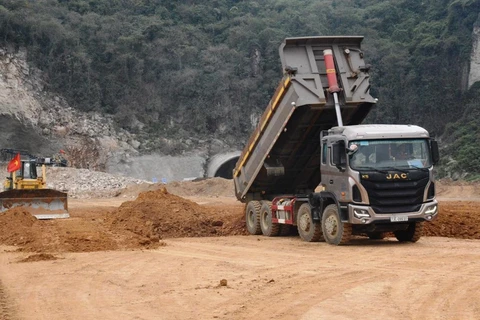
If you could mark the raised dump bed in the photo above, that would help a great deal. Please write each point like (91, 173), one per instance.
(283, 153)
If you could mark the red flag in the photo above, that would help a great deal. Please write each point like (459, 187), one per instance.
(14, 164)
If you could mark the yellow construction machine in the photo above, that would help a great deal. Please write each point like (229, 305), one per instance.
(25, 188)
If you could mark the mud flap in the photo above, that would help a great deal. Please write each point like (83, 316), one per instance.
(41, 203)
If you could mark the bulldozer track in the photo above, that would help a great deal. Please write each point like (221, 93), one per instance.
(5, 307)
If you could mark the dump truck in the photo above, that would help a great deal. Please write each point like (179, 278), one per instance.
(313, 165)
(26, 188)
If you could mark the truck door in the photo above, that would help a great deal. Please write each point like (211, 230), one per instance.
(333, 175)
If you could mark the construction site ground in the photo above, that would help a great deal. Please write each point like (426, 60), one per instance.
(181, 251)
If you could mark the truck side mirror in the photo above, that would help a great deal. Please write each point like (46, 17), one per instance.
(339, 158)
(435, 152)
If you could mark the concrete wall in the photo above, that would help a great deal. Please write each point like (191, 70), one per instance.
(158, 168)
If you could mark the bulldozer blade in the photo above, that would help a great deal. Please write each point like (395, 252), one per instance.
(41, 203)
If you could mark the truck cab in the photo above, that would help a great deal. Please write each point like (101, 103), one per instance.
(381, 176)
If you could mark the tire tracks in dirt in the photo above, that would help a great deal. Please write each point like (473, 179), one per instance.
(6, 312)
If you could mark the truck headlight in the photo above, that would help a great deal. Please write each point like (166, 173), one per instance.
(361, 213)
(432, 210)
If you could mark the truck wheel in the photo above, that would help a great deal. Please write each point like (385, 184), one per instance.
(308, 229)
(413, 233)
(376, 235)
(269, 229)
(252, 217)
(334, 230)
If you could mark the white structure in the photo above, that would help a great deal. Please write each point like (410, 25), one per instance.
(474, 74)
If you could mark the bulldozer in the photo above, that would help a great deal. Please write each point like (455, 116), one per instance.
(26, 188)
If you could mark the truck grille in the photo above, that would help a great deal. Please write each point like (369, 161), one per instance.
(392, 196)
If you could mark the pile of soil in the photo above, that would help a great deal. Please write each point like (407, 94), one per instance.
(158, 215)
(142, 223)
(17, 227)
(205, 187)
(211, 187)
(456, 219)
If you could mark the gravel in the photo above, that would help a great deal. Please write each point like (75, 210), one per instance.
(85, 183)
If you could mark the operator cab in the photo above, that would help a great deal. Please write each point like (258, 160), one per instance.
(28, 170)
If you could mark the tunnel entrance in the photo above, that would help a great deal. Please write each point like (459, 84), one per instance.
(226, 169)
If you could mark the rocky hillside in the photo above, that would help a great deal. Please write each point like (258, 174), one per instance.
(33, 119)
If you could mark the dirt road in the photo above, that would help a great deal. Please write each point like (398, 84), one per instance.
(267, 278)
(88, 267)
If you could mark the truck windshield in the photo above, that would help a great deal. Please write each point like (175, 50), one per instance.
(388, 154)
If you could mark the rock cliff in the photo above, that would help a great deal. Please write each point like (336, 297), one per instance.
(42, 123)
(474, 73)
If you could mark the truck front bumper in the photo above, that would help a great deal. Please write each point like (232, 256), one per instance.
(358, 214)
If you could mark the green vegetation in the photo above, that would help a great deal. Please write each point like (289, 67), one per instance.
(203, 68)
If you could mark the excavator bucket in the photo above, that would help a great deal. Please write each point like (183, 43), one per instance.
(41, 203)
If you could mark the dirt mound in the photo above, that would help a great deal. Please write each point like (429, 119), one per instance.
(209, 187)
(143, 223)
(158, 215)
(456, 219)
(17, 227)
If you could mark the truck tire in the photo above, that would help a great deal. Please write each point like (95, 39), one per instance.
(269, 228)
(334, 230)
(308, 229)
(413, 233)
(252, 217)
